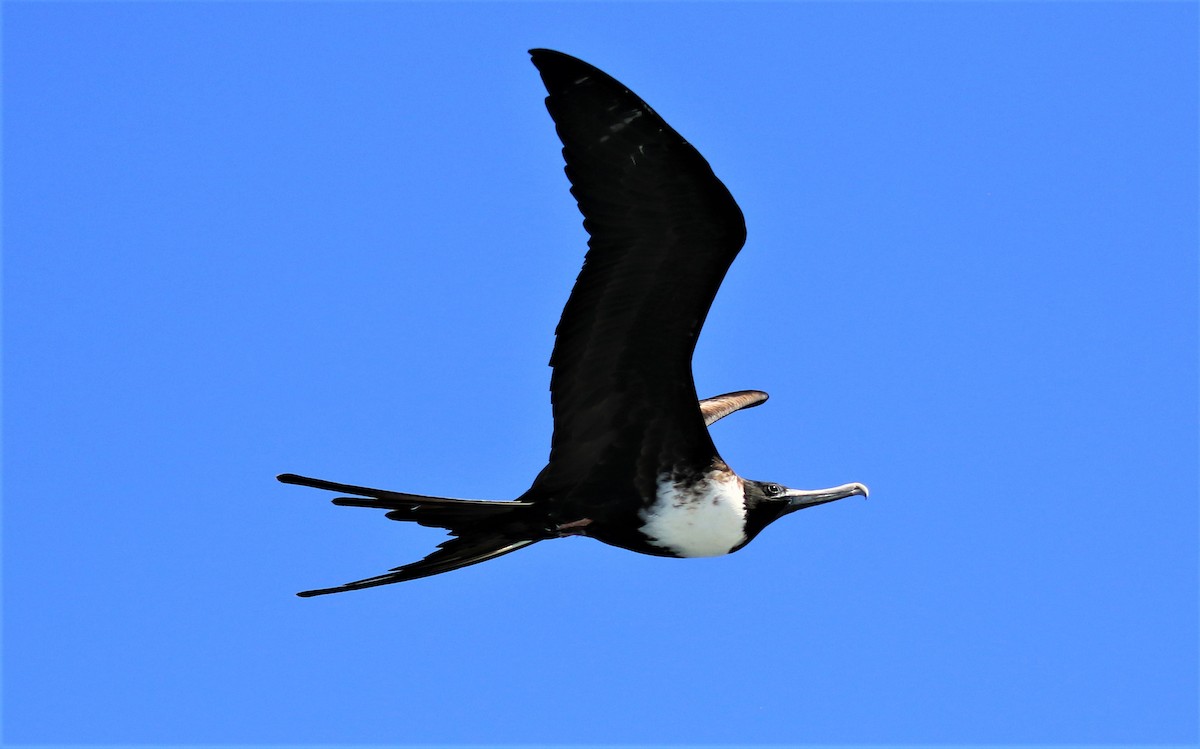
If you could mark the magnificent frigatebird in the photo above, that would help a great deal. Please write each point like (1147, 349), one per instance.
(631, 461)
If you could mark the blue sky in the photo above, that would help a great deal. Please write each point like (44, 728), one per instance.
(334, 239)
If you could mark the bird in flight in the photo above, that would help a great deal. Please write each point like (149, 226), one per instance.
(631, 460)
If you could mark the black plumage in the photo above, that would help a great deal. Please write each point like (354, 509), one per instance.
(628, 428)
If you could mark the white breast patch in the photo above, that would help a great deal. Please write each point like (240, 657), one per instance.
(704, 519)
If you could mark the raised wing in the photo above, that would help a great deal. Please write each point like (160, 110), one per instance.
(719, 406)
(664, 231)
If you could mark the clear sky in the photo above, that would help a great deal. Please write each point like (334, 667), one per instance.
(334, 239)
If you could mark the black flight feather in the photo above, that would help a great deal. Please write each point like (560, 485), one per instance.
(664, 231)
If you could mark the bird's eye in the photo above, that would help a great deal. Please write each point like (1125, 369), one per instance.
(773, 490)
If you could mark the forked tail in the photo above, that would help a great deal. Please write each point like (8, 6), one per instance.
(482, 529)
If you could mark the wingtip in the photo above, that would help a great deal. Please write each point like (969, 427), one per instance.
(560, 71)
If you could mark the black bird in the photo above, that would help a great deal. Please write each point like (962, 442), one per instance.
(631, 461)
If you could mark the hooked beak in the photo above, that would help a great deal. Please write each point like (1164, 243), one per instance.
(799, 499)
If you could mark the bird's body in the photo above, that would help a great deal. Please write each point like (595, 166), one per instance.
(631, 461)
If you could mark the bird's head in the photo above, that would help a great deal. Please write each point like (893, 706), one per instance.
(766, 502)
